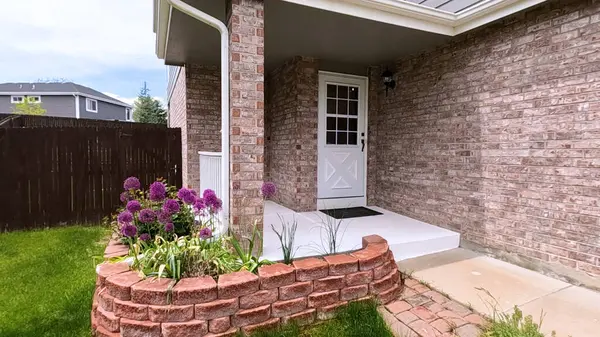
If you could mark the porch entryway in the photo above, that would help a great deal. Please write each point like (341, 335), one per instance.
(406, 237)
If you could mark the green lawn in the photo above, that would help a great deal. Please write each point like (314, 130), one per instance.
(47, 281)
(359, 319)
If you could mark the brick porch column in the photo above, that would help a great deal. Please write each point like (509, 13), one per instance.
(246, 60)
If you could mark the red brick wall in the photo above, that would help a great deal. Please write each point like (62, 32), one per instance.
(308, 289)
(246, 60)
(496, 135)
(291, 132)
(177, 118)
(195, 107)
(203, 116)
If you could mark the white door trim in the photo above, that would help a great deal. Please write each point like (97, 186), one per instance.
(324, 203)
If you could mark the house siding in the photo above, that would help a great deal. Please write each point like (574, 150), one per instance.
(497, 134)
(106, 111)
(291, 118)
(56, 106)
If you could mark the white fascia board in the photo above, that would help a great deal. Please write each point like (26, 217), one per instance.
(490, 11)
(162, 21)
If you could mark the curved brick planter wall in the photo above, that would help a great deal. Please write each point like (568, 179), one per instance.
(127, 305)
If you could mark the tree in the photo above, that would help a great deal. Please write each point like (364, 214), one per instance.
(147, 109)
(28, 108)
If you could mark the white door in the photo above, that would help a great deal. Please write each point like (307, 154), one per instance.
(342, 137)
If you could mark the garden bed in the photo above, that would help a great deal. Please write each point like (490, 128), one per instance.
(309, 289)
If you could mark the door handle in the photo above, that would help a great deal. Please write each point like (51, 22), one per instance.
(362, 141)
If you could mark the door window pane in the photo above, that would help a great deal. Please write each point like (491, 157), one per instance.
(342, 91)
(331, 137)
(331, 104)
(352, 138)
(342, 138)
(331, 123)
(331, 90)
(342, 124)
(353, 93)
(342, 107)
(352, 124)
(353, 108)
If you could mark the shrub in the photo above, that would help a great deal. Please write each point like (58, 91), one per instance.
(184, 257)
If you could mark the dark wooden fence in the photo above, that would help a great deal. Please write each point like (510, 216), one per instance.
(55, 175)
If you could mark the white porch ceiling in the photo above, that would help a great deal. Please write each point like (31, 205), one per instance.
(294, 30)
(360, 32)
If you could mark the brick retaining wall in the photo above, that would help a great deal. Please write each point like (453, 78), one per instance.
(310, 289)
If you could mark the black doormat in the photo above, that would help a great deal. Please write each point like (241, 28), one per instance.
(351, 212)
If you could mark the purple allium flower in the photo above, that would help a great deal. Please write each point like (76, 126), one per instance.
(163, 217)
(145, 237)
(216, 206)
(147, 215)
(199, 204)
(194, 192)
(205, 233)
(169, 227)
(170, 206)
(208, 192)
(131, 183)
(268, 190)
(128, 230)
(125, 217)
(186, 195)
(124, 197)
(211, 200)
(158, 191)
(133, 206)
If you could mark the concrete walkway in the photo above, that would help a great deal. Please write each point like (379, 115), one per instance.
(569, 310)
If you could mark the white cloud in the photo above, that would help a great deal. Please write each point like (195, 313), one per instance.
(75, 39)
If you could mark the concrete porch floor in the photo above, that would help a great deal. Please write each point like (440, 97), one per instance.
(406, 237)
(569, 310)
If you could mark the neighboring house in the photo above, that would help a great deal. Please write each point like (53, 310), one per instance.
(64, 100)
(492, 129)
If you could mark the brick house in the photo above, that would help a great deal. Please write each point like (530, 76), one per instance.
(492, 129)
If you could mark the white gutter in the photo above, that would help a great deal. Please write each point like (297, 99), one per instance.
(220, 26)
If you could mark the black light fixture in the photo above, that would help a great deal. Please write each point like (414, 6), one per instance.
(388, 80)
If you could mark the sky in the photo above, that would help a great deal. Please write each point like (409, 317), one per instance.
(107, 45)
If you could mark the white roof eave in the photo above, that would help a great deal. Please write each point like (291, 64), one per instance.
(395, 12)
